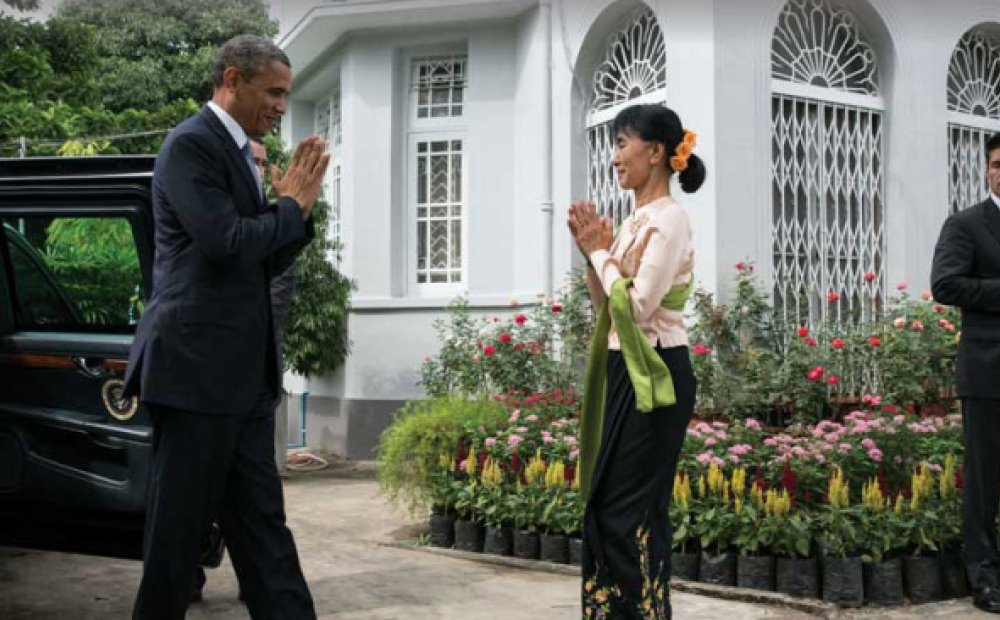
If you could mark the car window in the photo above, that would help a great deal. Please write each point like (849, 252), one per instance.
(73, 273)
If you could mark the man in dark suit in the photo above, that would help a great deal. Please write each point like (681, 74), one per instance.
(204, 360)
(966, 273)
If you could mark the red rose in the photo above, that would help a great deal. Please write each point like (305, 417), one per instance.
(868, 276)
(505, 338)
(803, 332)
(875, 341)
(489, 350)
(810, 342)
(832, 380)
(837, 343)
(700, 349)
(832, 296)
(518, 346)
(556, 307)
(740, 266)
(520, 319)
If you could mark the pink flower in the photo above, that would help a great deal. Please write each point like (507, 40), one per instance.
(505, 338)
(548, 439)
(810, 342)
(819, 458)
(461, 466)
(734, 459)
(490, 442)
(704, 458)
(740, 266)
(938, 308)
(710, 441)
(719, 425)
(753, 424)
(532, 418)
(514, 440)
(917, 326)
(574, 454)
(489, 350)
(899, 419)
(899, 322)
(522, 429)
(771, 442)
(514, 416)
(569, 440)
(901, 286)
(844, 448)
(700, 349)
(832, 296)
(831, 437)
(926, 295)
(868, 276)
(520, 319)
(868, 443)
(875, 454)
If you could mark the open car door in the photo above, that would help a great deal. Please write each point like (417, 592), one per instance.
(75, 269)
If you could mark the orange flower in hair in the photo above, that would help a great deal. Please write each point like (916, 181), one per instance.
(679, 162)
(683, 150)
(690, 138)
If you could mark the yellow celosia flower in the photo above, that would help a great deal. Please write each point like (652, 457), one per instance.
(471, 462)
(682, 490)
(946, 481)
(838, 493)
(739, 481)
(492, 476)
(757, 493)
(555, 476)
(702, 486)
(536, 468)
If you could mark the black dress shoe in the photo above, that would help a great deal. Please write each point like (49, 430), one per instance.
(987, 599)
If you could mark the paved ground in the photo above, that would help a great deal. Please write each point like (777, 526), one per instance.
(341, 527)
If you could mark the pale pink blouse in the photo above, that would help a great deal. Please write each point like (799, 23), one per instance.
(654, 247)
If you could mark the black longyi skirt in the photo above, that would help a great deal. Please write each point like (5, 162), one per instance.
(626, 534)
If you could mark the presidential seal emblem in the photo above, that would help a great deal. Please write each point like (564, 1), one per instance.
(120, 408)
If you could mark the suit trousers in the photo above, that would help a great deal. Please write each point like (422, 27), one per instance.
(981, 493)
(218, 466)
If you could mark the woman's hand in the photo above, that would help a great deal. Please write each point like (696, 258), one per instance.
(590, 231)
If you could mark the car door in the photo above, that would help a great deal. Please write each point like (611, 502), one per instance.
(77, 254)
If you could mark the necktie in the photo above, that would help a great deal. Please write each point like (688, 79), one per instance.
(248, 155)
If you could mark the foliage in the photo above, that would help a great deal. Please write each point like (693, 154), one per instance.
(837, 521)
(882, 522)
(481, 356)
(409, 452)
(153, 52)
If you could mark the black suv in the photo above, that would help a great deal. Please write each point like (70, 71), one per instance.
(75, 266)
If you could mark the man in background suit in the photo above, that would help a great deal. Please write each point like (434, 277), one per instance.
(204, 360)
(966, 274)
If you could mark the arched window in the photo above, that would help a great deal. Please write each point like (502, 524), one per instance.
(973, 116)
(828, 225)
(634, 70)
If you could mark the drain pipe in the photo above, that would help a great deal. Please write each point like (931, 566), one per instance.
(548, 211)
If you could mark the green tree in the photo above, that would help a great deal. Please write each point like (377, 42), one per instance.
(22, 5)
(157, 51)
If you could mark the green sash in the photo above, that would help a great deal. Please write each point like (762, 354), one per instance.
(654, 387)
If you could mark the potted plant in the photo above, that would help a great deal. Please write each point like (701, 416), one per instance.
(796, 568)
(884, 539)
(493, 505)
(716, 528)
(922, 566)
(754, 536)
(954, 579)
(526, 509)
(554, 542)
(468, 527)
(443, 493)
(837, 533)
(684, 557)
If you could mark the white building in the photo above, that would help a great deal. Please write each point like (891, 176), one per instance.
(838, 134)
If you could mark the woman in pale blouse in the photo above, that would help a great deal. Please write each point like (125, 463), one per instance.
(629, 471)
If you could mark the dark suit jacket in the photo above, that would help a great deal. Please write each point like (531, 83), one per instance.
(966, 273)
(206, 342)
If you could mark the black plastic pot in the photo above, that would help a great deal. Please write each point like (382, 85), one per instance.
(526, 545)
(468, 535)
(922, 578)
(555, 548)
(443, 530)
(755, 572)
(575, 550)
(843, 583)
(499, 541)
(718, 569)
(684, 565)
(797, 577)
(884, 582)
(954, 579)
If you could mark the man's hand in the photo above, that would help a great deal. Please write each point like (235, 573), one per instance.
(303, 179)
(590, 231)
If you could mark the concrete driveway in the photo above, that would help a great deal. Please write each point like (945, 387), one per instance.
(342, 527)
